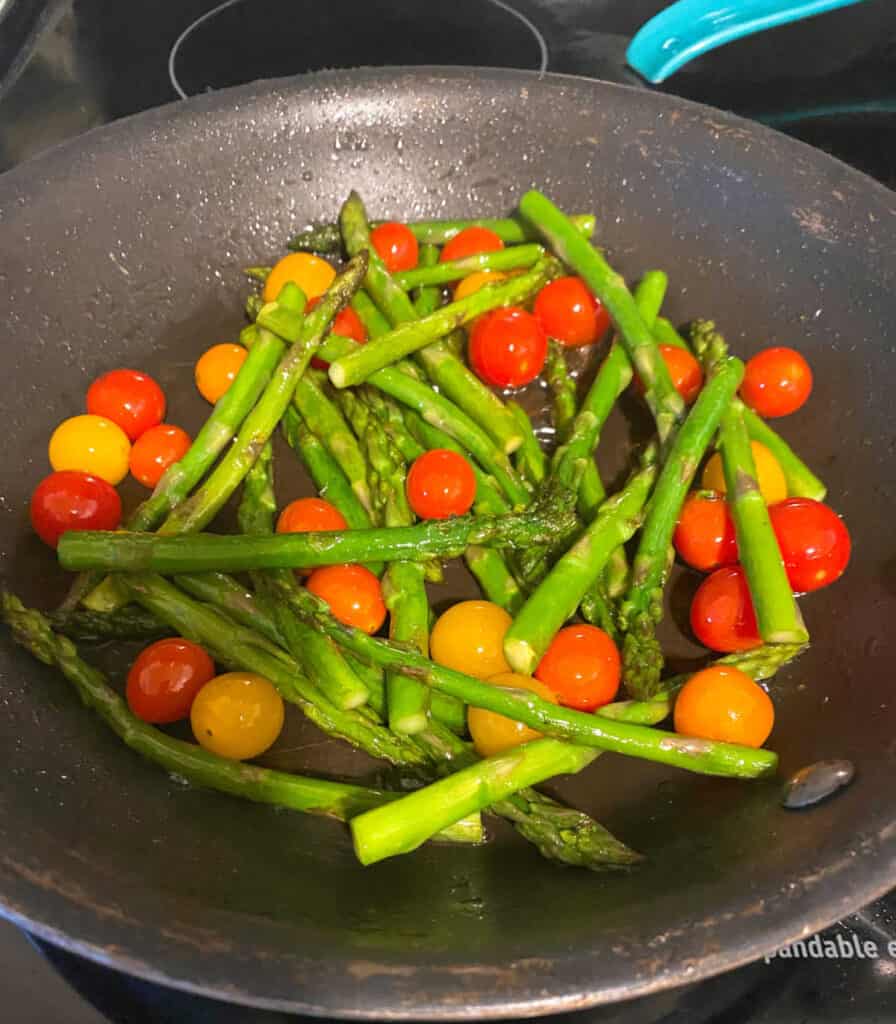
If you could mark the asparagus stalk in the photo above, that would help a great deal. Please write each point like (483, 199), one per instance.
(801, 481)
(258, 426)
(316, 653)
(432, 406)
(327, 238)
(126, 623)
(561, 591)
(420, 815)
(562, 386)
(666, 334)
(530, 458)
(642, 607)
(587, 730)
(237, 646)
(665, 403)
(777, 614)
(516, 258)
(338, 800)
(374, 321)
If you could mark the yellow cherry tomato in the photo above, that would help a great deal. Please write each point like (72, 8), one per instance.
(772, 482)
(493, 733)
(91, 444)
(473, 282)
(469, 638)
(216, 369)
(237, 715)
(312, 274)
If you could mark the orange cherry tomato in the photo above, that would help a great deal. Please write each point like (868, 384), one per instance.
(129, 398)
(157, 449)
(466, 286)
(470, 242)
(395, 245)
(722, 703)
(494, 733)
(307, 515)
(347, 324)
(722, 615)
(237, 715)
(685, 371)
(312, 274)
(507, 347)
(569, 313)
(777, 381)
(165, 678)
(704, 536)
(353, 594)
(581, 667)
(217, 368)
(469, 637)
(440, 484)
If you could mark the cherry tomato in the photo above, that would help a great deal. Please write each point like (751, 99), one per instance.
(704, 536)
(217, 368)
(470, 242)
(722, 615)
(165, 678)
(685, 371)
(777, 381)
(129, 398)
(569, 313)
(73, 501)
(493, 733)
(306, 515)
(772, 482)
(581, 667)
(396, 246)
(347, 324)
(814, 542)
(469, 637)
(440, 484)
(237, 715)
(722, 703)
(91, 444)
(156, 450)
(466, 286)
(353, 594)
(508, 347)
(312, 274)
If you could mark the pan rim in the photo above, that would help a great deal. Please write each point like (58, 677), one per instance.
(865, 883)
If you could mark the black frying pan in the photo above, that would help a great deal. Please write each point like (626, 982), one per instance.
(124, 248)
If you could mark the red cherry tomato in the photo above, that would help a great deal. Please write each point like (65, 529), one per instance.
(440, 484)
(470, 242)
(395, 245)
(165, 678)
(582, 667)
(704, 536)
(508, 347)
(156, 450)
(69, 500)
(129, 398)
(722, 615)
(347, 324)
(306, 515)
(685, 371)
(569, 313)
(353, 594)
(777, 381)
(814, 542)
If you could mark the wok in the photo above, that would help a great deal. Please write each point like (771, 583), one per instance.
(125, 247)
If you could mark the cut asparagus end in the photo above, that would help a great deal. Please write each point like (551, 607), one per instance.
(521, 655)
(337, 375)
(789, 636)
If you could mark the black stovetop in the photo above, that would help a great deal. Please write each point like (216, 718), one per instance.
(830, 81)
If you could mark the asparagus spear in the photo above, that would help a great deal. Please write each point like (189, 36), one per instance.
(432, 406)
(327, 238)
(338, 800)
(258, 426)
(642, 607)
(777, 614)
(801, 481)
(516, 258)
(665, 403)
(126, 623)
(562, 386)
(547, 518)
(530, 458)
(316, 653)
(666, 334)
(459, 384)
(374, 321)
(561, 591)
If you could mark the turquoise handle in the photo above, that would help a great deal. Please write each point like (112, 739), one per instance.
(691, 27)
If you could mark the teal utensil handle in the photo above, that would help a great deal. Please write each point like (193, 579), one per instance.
(691, 27)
